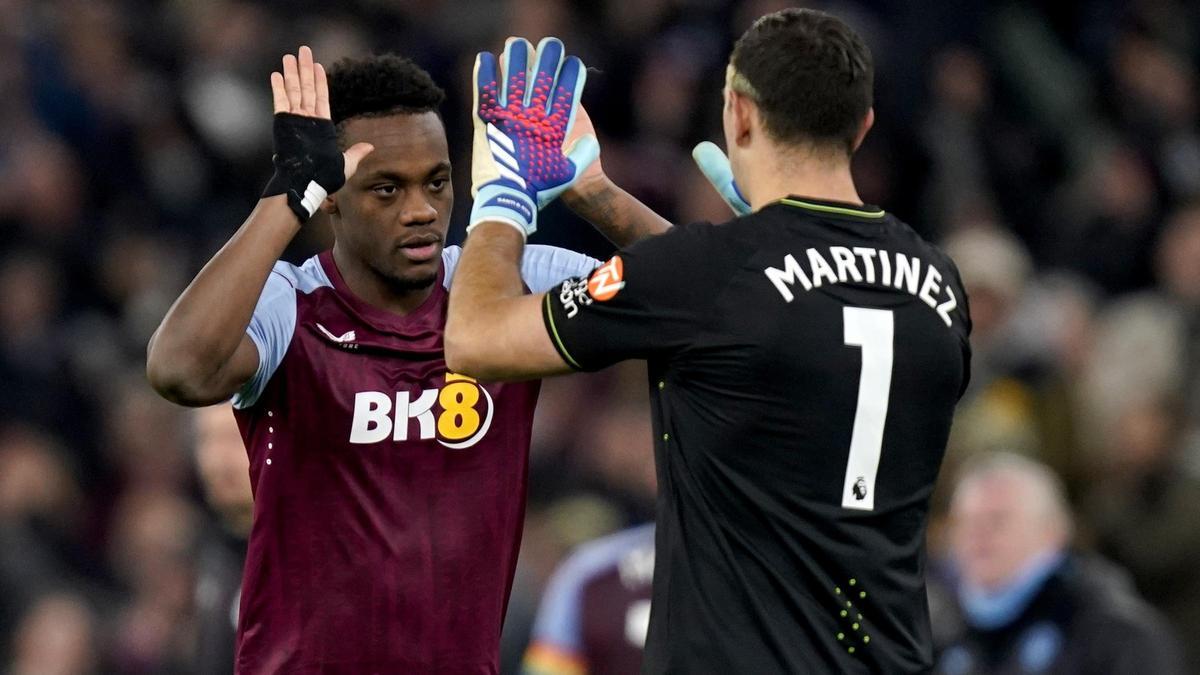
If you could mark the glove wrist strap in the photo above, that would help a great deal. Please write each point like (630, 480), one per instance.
(504, 203)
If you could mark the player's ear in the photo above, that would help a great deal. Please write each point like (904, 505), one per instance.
(330, 205)
(867, 123)
(743, 114)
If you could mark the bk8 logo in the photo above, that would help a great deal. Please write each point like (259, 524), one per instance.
(464, 418)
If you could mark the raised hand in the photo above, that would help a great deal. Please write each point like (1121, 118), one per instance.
(523, 116)
(309, 166)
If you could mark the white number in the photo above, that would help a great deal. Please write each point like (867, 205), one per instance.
(872, 330)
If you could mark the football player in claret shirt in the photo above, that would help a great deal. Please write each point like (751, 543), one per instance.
(805, 360)
(596, 608)
(388, 491)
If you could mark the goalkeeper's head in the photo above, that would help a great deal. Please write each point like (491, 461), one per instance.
(391, 217)
(799, 83)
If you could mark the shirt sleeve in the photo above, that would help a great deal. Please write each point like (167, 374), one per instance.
(556, 643)
(271, 329)
(542, 267)
(650, 300)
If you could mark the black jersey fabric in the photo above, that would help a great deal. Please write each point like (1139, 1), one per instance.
(805, 362)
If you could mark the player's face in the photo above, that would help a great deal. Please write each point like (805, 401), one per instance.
(393, 213)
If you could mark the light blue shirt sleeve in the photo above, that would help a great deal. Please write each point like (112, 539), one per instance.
(559, 615)
(542, 267)
(271, 329)
(545, 267)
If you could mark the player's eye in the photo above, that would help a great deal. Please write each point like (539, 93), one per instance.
(385, 190)
(438, 184)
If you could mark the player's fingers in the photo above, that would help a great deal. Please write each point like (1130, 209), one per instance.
(568, 91)
(291, 82)
(515, 70)
(322, 90)
(549, 62)
(308, 92)
(279, 95)
(485, 81)
(714, 164)
(355, 154)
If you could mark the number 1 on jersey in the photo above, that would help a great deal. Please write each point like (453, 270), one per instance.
(872, 331)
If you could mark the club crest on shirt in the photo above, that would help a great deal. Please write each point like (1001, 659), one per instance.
(458, 415)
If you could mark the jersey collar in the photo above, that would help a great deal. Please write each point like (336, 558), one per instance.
(382, 318)
(828, 207)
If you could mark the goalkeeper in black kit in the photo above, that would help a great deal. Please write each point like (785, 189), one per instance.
(805, 360)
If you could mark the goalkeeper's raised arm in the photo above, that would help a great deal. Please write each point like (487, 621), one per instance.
(201, 353)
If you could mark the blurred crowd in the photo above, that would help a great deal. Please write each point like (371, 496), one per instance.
(1052, 148)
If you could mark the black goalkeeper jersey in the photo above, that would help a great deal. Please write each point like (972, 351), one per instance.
(805, 362)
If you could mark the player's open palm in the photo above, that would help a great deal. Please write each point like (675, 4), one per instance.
(309, 165)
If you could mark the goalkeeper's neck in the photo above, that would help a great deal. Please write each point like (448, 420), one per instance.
(773, 172)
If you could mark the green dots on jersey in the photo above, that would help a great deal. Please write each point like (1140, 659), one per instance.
(857, 626)
(666, 437)
(662, 385)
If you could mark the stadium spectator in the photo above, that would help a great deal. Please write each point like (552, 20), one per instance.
(1024, 602)
(57, 637)
(224, 471)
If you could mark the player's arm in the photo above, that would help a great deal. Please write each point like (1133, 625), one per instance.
(201, 354)
(494, 331)
(622, 217)
(595, 198)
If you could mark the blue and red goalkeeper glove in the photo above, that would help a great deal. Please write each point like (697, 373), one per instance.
(522, 120)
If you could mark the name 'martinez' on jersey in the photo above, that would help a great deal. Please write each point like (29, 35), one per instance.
(895, 270)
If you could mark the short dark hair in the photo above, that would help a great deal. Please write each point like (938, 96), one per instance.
(810, 74)
(381, 85)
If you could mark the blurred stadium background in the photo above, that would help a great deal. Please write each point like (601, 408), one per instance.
(1052, 148)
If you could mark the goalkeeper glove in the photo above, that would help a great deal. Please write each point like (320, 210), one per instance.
(715, 166)
(518, 162)
(309, 166)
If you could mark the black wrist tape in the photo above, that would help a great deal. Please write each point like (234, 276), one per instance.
(308, 163)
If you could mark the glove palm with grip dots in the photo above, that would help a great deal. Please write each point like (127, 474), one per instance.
(519, 163)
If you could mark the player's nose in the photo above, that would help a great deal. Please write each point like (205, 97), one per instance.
(417, 209)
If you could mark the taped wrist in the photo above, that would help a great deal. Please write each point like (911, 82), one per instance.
(309, 166)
